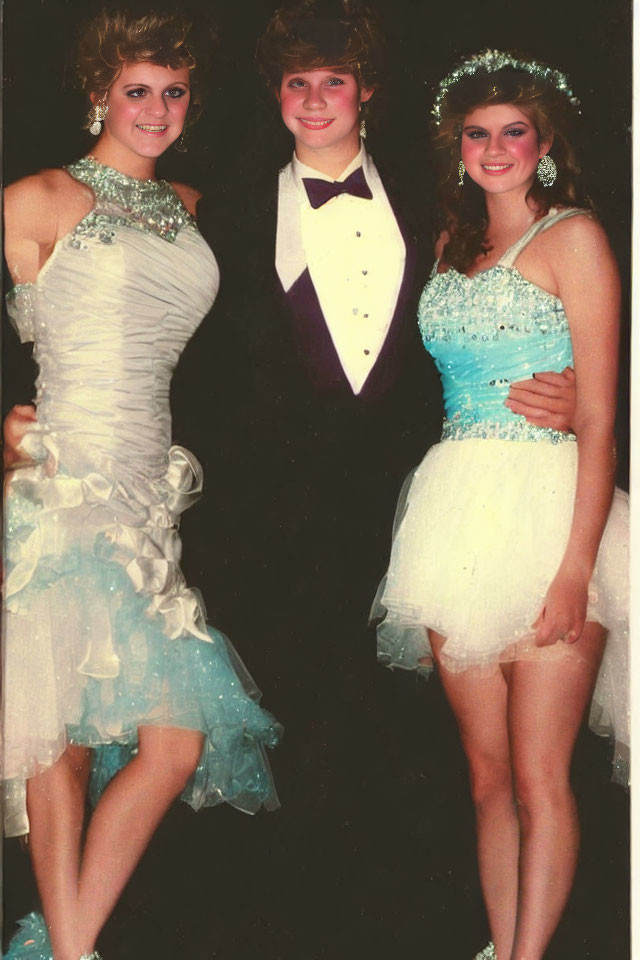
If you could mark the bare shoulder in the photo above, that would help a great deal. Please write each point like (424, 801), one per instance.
(581, 260)
(36, 191)
(188, 195)
(38, 210)
(31, 209)
(34, 203)
(577, 237)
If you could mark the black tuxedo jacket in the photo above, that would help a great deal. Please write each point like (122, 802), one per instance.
(304, 474)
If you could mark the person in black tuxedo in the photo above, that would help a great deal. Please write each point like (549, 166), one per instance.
(327, 399)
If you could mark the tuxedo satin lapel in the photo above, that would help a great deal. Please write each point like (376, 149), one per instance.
(266, 314)
(314, 345)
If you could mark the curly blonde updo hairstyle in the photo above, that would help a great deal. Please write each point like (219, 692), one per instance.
(462, 210)
(115, 38)
(311, 34)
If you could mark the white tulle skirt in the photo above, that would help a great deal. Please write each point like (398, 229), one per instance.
(481, 529)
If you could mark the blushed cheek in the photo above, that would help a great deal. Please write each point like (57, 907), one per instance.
(122, 116)
(347, 107)
(526, 150)
(469, 152)
(286, 108)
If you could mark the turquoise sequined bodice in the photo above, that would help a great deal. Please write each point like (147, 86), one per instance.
(486, 332)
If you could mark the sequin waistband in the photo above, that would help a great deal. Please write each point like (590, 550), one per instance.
(517, 429)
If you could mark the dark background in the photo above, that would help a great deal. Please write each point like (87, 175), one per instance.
(186, 899)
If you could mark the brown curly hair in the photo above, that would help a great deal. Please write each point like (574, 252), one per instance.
(114, 38)
(310, 34)
(462, 210)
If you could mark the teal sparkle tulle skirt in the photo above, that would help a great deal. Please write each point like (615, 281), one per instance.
(103, 636)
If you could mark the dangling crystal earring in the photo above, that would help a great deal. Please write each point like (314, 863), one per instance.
(461, 172)
(96, 115)
(363, 129)
(180, 145)
(547, 171)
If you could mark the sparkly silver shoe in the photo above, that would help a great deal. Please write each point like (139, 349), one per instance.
(91, 956)
(489, 953)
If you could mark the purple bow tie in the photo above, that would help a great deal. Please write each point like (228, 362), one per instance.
(319, 191)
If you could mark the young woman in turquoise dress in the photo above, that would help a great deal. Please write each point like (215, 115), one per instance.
(110, 669)
(509, 560)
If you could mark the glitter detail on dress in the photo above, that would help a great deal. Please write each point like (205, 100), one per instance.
(484, 333)
(520, 430)
(21, 302)
(149, 205)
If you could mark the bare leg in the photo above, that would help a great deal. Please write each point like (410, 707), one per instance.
(546, 703)
(479, 701)
(55, 803)
(125, 819)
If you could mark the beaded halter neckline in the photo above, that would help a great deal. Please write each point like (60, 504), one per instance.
(149, 205)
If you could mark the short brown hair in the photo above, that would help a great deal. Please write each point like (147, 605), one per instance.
(311, 34)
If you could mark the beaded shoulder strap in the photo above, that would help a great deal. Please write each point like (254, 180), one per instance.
(554, 216)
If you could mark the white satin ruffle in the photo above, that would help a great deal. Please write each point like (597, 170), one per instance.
(141, 529)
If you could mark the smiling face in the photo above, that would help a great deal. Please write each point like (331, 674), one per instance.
(321, 108)
(147, 109)
(500, 148)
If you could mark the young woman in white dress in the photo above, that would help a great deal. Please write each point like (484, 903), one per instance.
(108, 661)
(510, 546)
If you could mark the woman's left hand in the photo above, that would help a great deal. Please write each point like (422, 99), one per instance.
(565, 609)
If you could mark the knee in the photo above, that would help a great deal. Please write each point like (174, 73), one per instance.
(491, 781)
(541, 789)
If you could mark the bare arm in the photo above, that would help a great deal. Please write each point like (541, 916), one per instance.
(37, 211)
(16, 425)
(547, 400)
(30, 225)
(589, 288)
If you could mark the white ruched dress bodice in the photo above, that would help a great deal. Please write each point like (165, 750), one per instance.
(109, 321)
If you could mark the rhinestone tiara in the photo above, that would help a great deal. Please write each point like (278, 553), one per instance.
(492, 61)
